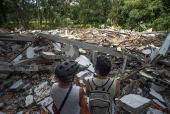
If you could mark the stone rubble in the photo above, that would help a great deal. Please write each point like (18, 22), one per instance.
(27, 71)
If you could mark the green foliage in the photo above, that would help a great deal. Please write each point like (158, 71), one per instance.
(136, 15)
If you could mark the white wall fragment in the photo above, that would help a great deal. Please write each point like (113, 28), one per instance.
(57, 46)
(84, 61)
(29, 100)
(30, 52)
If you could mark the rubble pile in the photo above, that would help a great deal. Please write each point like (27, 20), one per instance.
(140, 61)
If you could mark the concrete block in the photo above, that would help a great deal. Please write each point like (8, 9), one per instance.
(17, 85)
(133, 87)
(51, 55)
(156, 95)
(2, 105)
(50, 108)
(134, 103)
(29, 101)
(45, 102)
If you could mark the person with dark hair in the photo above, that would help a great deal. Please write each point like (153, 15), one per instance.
(103, 88)
(65, 95)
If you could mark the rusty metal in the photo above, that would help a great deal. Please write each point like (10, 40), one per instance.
(43, 60)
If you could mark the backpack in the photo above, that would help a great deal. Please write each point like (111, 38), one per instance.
(100, 101)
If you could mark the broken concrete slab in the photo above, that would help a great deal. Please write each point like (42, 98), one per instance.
(157, 87)
(2, 112)
(23, 62)
(21, 112)
(156, 95)
(161, 82)
(41, 91)
(4, 75)
(29, 102)
(50, 108)
(84, 61)
(81, 44)
(51, 55)
(5, 68)
(159, 103)
(18, 57)
(17, 85)
(46, 101)
(43, 110)
(2, 105)
(27, 68)
(154, 111)
(134, 103)
(27, 86)
(73, 51)
(168, 103)
(1, 87)
(57, 46)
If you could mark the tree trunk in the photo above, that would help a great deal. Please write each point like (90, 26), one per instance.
(38, 14)
(19, 12)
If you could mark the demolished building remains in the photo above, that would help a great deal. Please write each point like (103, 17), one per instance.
(140, 61)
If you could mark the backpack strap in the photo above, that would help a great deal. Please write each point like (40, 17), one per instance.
(109, 84)
(65, 98)
(105, 87)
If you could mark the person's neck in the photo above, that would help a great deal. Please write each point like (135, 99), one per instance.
(102, 77)
(64, 85)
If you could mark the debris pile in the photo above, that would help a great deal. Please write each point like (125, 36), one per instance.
(140, 61)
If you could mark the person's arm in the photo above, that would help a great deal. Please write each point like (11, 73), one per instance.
(87, 88)
(81, 92)
(117, 92)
